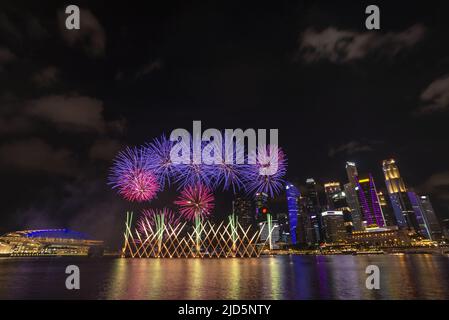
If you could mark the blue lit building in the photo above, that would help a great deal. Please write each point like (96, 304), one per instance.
(292, 203)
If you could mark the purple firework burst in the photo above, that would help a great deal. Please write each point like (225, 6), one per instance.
(158, 155)
(132, 176)
(268, 172)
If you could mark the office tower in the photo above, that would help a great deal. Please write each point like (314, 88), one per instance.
(304, 231)
(293, 209)
(369, 202)
(333, 226)
(422, 227)
(386, 209)
(351, 196)
(340, 203)
(242, 209)
(402, 207)
(284, 228)
(436, 232)
(314, 210)
(261, 200)
(330, 189)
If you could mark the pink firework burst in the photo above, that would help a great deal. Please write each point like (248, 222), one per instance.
(139, 185)
(132, 176)
(195, 201)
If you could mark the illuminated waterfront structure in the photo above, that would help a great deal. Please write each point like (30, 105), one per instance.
(422, 227)
(49, 242)
(432, 222)
(381, 237)
(293, 195)
(402, 207)
(205, 240)
(369, 202)
(333, 226)
(351, 195)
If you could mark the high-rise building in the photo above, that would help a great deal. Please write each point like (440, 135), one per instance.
(386, 209)
(293, 195)
(333, 226)
(314, 210)
(331, 188)
(351, 196)
(369, 202)
(261, 200)
(305, 234)
(243, 210)
(340, 203)
(421, 224)
(402, 207)
(435, 230)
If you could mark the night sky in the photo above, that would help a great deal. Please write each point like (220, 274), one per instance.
(69, 100)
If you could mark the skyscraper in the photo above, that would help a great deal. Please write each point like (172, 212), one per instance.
(422, 227)
(386, 209)
(314, 210)
(333, 226)
(242, 209)
(293, 210)
(402, 207)
(369, 201)
(351, 196)
(433, 224)
(331, 188)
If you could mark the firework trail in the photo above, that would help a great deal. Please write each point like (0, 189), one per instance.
(195, 201)
(273, 183)
(132, 176)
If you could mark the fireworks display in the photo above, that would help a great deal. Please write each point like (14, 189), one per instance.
(155, 219)
(195, 201)
(273, 183)
(132, 176)
(158, 155)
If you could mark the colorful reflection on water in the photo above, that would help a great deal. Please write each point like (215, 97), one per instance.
(276, 277)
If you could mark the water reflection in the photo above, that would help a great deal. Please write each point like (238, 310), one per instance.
(281, 277)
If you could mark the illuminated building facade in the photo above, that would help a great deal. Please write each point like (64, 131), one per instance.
(386, 209)
(351, 195)
(381, 237)
(293, 195)
(331, 188)
(49, 242)
(243, 210)
(314, 211)
(421, 223)
(402, 207)
(434, 227)
(369, 202)
(333, 226)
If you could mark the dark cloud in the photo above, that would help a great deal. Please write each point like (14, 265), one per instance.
(46, 76)
(104, 149)
(91, 36)
(343, 46)
(73, 113)
(437, 185)
(435, 96)
(149, 68)
(351, 147)
(6, 56)
(38, 156)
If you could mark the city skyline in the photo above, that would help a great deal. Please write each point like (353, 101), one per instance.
(71, 101)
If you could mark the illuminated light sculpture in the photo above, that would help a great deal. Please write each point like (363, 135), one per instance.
(178, 241)
(132, 177)
(156, 221)
(268, 172)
